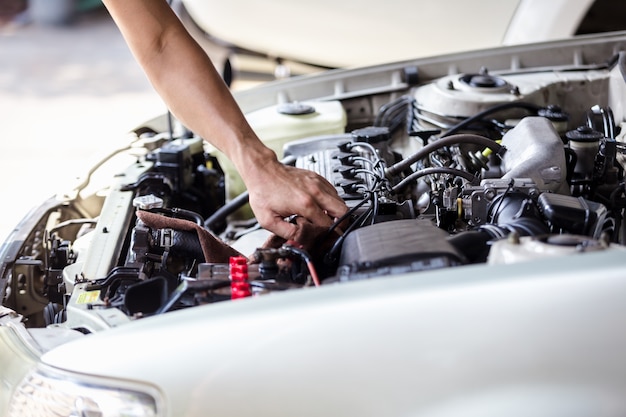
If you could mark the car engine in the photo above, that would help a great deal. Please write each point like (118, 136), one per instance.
(468, 168)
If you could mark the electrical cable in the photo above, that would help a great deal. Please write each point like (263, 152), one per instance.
(391, 107)
(345, 216)
(369, 172)
(375, 206)
(331, 255)
(307, 259)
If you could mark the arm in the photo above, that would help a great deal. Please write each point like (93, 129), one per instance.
(185, 78)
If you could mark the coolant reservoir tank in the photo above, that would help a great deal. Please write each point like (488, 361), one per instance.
(529, 249)
(277, 125)
(280, 124)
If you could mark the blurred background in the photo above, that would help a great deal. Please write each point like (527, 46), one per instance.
(69, 90)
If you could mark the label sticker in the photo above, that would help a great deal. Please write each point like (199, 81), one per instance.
(88, 297)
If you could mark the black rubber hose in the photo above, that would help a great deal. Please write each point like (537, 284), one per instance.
(473, 244)
(180, 213)
(521, 105)
(186, 244)
(433, 170)
(442, 143)
(235, 204)
(226, 210)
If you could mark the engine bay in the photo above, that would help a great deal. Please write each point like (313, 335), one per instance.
(463, 169)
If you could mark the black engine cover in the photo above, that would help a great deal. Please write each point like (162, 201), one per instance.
(396, 247)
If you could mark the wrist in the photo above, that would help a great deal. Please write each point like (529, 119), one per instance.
(252, 160)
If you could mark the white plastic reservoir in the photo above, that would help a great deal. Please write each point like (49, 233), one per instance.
(280, 124)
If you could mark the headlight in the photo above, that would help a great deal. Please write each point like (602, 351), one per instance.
(42, 393)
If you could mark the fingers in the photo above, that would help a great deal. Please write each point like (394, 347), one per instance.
(333, 205)
(282, 228)
(292, 191)
(318, 217)
(321, 207)
(324, 199)
(275, 220)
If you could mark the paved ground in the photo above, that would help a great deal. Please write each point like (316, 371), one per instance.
(67, 94)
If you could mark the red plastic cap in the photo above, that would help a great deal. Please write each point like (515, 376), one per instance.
(239, 285)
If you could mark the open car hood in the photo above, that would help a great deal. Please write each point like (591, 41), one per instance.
(318, 32)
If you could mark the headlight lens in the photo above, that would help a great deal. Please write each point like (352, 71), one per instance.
(44, 394)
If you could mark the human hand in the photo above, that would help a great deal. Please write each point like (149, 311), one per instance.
(278, 191)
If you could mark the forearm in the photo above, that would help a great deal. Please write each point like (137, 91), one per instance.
(185, 78)
(196, 94)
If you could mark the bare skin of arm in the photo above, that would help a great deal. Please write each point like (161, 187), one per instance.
(185, 78)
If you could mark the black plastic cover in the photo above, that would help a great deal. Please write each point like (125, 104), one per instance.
(573, 214)
(396, 247)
